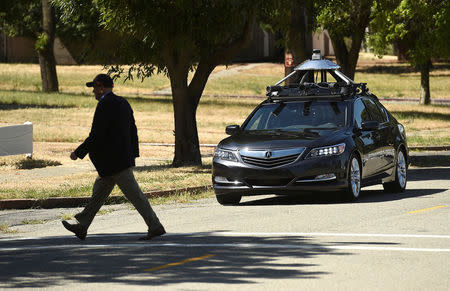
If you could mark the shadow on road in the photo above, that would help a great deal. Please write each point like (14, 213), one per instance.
(366, 196)
(421, 174)
(123, 259)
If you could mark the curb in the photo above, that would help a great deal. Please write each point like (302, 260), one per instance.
(430, 148)
(70, 202)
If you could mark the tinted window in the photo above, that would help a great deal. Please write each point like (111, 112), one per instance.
(297, 116)
(374, 111)
(360, 113)
(383, 110)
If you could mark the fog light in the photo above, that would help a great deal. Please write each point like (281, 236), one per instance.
(319, 178)
(219, 179)
(224, 180)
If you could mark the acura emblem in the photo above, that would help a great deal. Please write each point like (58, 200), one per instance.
(268, 154)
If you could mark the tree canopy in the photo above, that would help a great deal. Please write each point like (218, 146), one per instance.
(423, 26)
(40, 22)
(174, 37)
(346, 22)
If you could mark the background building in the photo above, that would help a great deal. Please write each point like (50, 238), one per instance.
(262, 48)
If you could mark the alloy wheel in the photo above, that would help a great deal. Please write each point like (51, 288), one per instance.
(401, 169)
(355, 177)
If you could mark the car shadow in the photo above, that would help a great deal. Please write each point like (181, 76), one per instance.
(366, 195)
(423, 174)
(122, 259)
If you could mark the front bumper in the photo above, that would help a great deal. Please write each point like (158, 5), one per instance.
(295, 178)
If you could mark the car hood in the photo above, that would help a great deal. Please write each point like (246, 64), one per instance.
(280, 139)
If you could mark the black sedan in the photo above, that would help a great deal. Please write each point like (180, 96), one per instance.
(313, 136)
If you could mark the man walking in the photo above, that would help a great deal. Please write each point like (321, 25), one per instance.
(112, 146)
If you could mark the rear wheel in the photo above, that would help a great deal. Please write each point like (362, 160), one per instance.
(354, 180)
(229, 199)
(399, 184)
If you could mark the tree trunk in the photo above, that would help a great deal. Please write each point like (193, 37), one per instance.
(45, 51)
(402, 51)
(186, 98)
(347, 58)
(187, 146)
(299, 34)
(425, 97)
(342, 55)
(299, 39)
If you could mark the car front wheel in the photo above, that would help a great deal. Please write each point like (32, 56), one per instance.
(229, 199)
(354, 180)
(399, 184)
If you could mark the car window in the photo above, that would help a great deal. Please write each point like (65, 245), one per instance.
(361, 113)
(259, 119)
(374, 111)
(383, 110)
(298, 116)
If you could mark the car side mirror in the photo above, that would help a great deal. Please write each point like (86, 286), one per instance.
(232, 129)
(370, 125)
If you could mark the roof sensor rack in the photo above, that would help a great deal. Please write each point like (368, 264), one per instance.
(308, 84)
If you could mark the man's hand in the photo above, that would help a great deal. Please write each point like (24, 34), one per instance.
(73, 156)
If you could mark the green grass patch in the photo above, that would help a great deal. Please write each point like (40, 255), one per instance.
(427, 140)
(71, 79)
(149, 178)
(185, 197)
(13, 100)
(6, 229)
(45, 191)
(242, 84)
(66, 216)
(401, 81)
(105, 211)
(34, 221)
(26, 164)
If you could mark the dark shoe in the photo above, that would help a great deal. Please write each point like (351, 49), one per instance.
(157, 232)
(77, 229)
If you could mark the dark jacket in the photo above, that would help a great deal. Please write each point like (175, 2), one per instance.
(112, 143)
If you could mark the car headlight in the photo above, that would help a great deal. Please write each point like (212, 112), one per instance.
(327, 151)
(225, 155)
(401, 129)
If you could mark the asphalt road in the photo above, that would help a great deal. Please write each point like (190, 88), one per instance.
(383, 242)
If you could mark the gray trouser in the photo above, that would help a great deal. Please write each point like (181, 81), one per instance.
(130, 188)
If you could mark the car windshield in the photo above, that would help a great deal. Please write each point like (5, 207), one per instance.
(299, 116)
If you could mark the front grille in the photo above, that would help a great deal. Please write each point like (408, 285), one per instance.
(270, 158)
(270, 162)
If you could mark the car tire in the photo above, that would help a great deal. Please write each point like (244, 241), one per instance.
(354, 179)
(229, 199)
(399, 184)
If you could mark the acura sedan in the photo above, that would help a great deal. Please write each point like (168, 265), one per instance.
(324, 133)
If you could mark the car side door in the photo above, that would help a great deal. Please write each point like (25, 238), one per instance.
(364, 139)
(383, 136)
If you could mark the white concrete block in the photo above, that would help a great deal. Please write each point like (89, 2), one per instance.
(16, 139)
